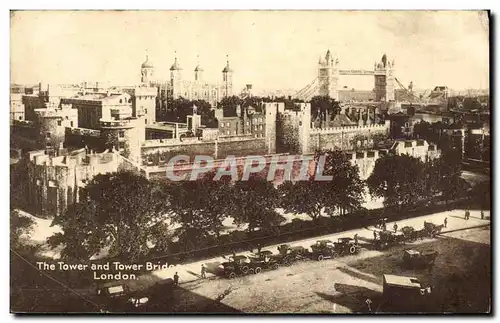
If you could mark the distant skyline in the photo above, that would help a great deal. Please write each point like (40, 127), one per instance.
(270, 49)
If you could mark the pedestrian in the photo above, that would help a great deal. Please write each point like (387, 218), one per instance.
(374, 235)
(176, 279)
(482, 215)
(203, 271)
(356, 238)
(395, 227)
(369, 303)
(445, 222)
(467, 214)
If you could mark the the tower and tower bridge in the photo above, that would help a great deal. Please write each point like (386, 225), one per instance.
(329, 71)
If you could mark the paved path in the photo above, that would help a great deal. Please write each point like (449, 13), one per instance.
(191, 271)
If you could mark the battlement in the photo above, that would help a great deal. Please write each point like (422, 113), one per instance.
(349, 128)
(124, 123)
(23, 123)
(55, 112)
(83, 132)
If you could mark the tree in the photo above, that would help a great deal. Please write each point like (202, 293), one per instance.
(254, 202)
(307, 196)
(120, 210)
(20, 225)
(229, 104)
(346, 188)
(200, 207)
(399, 179)
(449, 180)
(344, 192)
(320, 105)
(179, 109)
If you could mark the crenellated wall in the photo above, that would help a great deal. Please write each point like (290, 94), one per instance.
(346, 138)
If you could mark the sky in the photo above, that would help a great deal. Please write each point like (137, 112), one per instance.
(270, 49)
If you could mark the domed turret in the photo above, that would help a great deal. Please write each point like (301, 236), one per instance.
(147, 63)
(227, 69)
(175, 66)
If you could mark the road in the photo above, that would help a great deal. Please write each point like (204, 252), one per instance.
(190, 272)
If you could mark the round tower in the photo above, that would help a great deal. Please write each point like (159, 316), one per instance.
(125, 136)
(176, 79)
(147, 71)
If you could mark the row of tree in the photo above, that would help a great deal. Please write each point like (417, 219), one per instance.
(131, 214)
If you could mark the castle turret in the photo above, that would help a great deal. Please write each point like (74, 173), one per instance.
(176, 78)
(198, 73)
(227, 81)
(125, 136)
(147, 71)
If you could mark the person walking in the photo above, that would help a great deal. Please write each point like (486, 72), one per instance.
(445, 222)
(356, 238)
(467, 214)
(203, 271)
(482, 215)
(395, 227)
(374, 235)
(176, 279)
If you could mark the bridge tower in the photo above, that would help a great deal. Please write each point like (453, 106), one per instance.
(328, 76)
(384, 80)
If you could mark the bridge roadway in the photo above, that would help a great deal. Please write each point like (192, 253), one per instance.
(190, 271)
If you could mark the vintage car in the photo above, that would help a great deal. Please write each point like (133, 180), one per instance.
(323, 249)
(416, 259)
(404, 293)
(346, 246)
(288, 254)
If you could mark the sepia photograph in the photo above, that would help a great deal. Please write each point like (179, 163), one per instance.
(250, 162)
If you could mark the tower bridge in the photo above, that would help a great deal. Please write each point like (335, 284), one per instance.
(326, 83)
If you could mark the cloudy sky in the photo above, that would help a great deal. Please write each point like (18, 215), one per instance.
(269, 49)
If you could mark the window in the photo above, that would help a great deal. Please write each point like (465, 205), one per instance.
(121, 145)
(370, 154)
(145, 121)
(71, 124)
(162, 159)
(52, 184)
(420, 142)
(431, 148)
(120, 100)
(261, 127)
(129, 100)
(59, 122)
(222, 124)
(145, 110)
(408, 144)
(20, 118)
(360, 155)
(47, 135)
(228, 124)
(248, 123)
(121, 134)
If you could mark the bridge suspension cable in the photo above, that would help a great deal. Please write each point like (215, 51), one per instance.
(413, 96)
(301, 93)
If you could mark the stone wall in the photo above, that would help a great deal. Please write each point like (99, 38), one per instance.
(346, 138)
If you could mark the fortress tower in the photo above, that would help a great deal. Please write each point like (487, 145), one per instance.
(328, 75)
(176, 79)
(384, 80)
(125, 136)
(147, 72)
(227, 81)
(52, 123)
